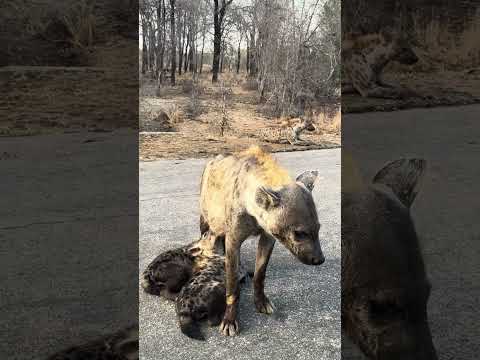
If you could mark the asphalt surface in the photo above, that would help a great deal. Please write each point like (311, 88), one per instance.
(68, 240)
(307, 322)
(446, 210)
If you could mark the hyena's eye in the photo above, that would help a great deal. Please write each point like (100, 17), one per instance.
(300, 235)
(381, 311)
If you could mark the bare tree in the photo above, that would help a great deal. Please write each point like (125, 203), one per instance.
(173, 42)
(161, 27)
(218, 16)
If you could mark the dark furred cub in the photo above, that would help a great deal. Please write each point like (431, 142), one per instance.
(203, 296)
(193, 276)
(168, 272)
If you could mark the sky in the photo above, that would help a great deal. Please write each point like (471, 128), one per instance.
(235, 37)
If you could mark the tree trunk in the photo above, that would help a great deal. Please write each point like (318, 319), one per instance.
(201, 55)
(186, 53)
(252, 65)
(163, 40)
(144, 49)
(181, 45)
(217, 41)
(218, 15)
(174, 42)
(238, 56)
(190, 59)
(222, 56)
(247, 60)
(152, 51)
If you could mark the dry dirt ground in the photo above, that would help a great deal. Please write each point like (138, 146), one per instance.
(183, 135)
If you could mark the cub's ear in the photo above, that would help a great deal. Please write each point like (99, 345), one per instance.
(267, 198)
(403, 176)
(308, 179)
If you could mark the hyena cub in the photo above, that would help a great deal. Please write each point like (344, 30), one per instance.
(364, 58)
(193, 276)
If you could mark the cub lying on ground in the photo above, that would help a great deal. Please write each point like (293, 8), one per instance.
(122, 345)
(193, 276)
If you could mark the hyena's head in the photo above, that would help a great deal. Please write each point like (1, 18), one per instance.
(289, 214)
(384, 284)
(403, 52)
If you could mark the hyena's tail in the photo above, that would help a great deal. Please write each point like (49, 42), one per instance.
(190, 327)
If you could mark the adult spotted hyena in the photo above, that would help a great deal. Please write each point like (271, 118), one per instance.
(384, 284)
(364, 58)
(250, 194)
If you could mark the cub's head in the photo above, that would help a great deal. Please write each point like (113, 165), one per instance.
(290, 216)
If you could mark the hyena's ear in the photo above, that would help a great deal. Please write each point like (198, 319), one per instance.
(267, 198)
(403, 176)
(308, 179)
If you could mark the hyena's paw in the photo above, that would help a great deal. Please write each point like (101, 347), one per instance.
(229, 327)
(264, 305)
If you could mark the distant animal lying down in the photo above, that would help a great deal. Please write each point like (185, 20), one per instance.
(194, 277)
(122, 345)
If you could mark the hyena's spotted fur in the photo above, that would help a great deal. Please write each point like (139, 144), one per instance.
(203, 296)
(168, 272)
(122, 345)
(364, 58)
(250, 194)
(288, 132)
(193, 276)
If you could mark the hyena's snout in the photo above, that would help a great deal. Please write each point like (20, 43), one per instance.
(311, 254)
(318, 259)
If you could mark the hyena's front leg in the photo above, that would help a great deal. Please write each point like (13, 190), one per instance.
(229, 325)
(264, 250)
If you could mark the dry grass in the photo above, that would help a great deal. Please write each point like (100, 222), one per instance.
(327, 124)
(175, 114)
(249, 84)
(80, 23)
(443, 49)
(230, 120)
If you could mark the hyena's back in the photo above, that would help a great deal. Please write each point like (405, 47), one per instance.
(228, 181)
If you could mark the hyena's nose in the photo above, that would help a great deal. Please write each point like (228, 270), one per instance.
(318, 260)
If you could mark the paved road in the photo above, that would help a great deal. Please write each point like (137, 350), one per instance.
(446, 210)
(307, 323)
(68, 240)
